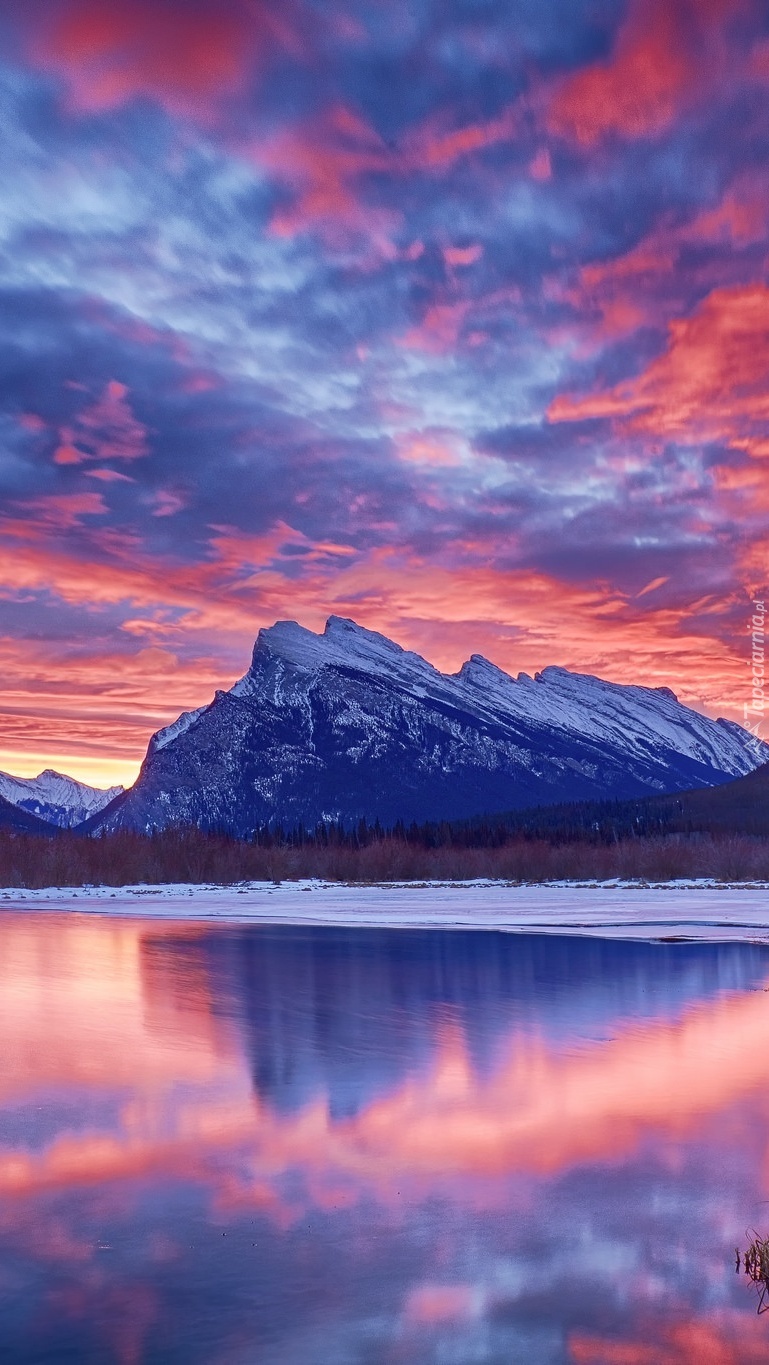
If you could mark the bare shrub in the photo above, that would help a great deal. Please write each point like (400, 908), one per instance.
(179, 855)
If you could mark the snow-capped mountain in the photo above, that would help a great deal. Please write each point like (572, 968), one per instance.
(53, 797)
(347, 724)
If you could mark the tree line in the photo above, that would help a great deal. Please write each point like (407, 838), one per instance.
(720, 832)
(191, 855)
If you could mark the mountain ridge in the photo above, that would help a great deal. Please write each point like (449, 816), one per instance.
(55, 798)
(14, 820)
(347, 724)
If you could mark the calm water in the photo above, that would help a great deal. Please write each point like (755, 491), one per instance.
(322, 1147)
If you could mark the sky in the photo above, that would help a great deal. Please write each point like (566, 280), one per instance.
(450, 316)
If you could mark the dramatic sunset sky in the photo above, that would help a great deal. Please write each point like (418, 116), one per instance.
(448, 315)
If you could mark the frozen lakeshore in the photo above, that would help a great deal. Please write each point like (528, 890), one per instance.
(682, 910)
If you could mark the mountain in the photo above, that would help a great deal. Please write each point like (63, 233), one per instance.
(347, 724)
(739, 806)
(55, 798)
(16, 821)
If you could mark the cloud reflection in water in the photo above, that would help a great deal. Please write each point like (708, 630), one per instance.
(381, 1146)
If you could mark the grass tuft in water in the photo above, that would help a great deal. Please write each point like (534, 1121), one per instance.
(755, 1263)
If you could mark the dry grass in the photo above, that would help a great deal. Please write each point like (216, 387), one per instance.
(756, 1266)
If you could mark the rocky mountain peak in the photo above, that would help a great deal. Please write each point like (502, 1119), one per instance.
(345, 724)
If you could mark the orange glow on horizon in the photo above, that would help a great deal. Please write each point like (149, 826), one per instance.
(99, 716)
(96, 772)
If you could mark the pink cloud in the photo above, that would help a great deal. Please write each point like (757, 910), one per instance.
(186, 55)
(67, 452)
(431, 1304)
(104, 430)
(540, 167)
(650, 283)
(710, 384)
(62, 511)
(166, 502)
(433, 146)
(666, 55)
(436, 448)
(30, 421)
(108, 476)
(322, 161)
(440, 328)
(462, 255)
(443, 325)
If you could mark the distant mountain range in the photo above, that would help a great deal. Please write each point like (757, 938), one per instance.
(13, 820)
(54, 798)
(347, 725)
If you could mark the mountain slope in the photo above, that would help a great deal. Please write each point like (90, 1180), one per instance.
(347, 724)
(53, 797)
(739, 806)
(16, 821)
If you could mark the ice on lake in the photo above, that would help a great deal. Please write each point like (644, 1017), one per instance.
(701, 910)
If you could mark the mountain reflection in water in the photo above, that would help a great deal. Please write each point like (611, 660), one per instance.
(299, 1146)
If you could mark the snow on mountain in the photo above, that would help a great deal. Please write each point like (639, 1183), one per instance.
(177, 727)
(53, 797)
(348, 724)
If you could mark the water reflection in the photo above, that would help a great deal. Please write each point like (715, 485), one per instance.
(293, 1146)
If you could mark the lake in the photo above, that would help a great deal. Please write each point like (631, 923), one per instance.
(326, 1146)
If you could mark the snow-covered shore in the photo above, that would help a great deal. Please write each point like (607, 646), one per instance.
(687, 910)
